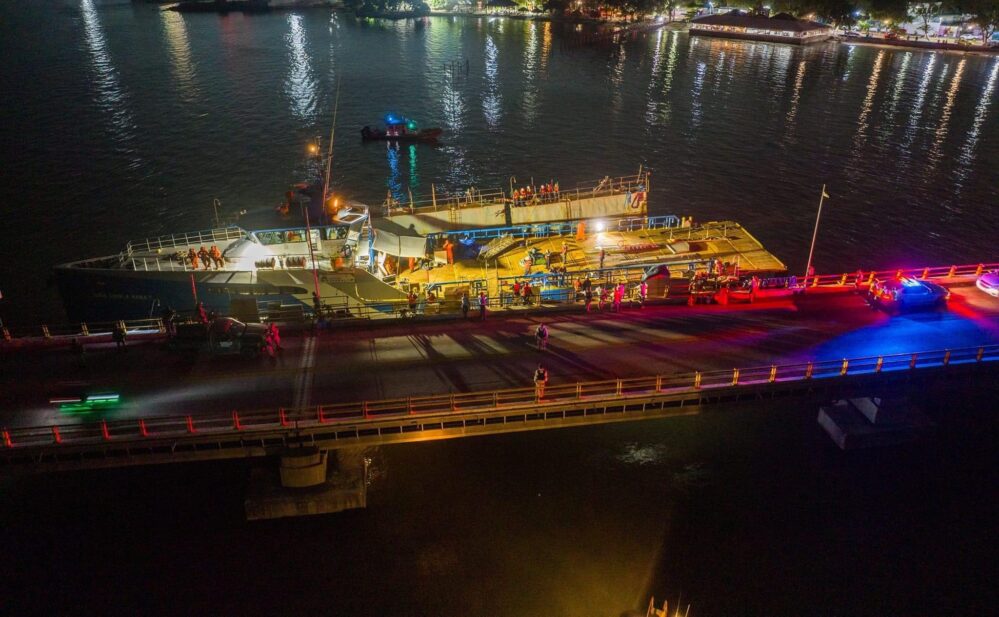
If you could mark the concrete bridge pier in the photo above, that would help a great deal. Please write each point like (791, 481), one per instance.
(308, 480)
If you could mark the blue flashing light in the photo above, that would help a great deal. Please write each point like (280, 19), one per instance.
(908, 282)
(392, 119)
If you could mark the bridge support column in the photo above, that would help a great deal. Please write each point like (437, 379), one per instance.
(308, 481)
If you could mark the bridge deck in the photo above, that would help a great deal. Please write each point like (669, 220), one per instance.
(413, 359)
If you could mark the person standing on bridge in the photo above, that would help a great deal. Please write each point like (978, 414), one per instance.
(118, 336)
(643, 292)
(588, 298)
(565, 254)
(465, 305)
(541, 336)
(540, 381)
(483, 301)
(273, 337)
(603, 256)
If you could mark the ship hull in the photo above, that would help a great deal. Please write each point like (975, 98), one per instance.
(91, 294)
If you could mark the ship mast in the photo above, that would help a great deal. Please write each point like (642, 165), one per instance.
(317, 297)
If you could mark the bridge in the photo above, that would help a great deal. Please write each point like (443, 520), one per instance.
(213, 436)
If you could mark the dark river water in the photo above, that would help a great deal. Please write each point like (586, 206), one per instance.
(121, 122)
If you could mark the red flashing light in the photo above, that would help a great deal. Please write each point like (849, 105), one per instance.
(56, 435)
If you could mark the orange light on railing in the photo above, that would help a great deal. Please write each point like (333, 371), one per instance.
(6, 439)
(735, 377)
(845, 367)
(953, 269)
(880, 364)
(808, 370)
(946, 358)
(773, 373)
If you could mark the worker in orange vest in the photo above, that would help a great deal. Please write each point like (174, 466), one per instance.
(581, 231)
(449, 249)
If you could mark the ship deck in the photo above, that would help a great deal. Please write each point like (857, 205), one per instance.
(625, 251)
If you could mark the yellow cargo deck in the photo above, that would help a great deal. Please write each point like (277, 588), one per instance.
(724, 240)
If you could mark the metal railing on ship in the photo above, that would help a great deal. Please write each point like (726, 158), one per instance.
(207, 236)
(474, 198)
(357, 414)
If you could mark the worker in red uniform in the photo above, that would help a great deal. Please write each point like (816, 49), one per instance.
(193, 256)
(449, 249)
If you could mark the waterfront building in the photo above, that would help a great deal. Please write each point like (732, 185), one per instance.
(781, 28)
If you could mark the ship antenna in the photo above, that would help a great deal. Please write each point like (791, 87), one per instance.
(329, 155)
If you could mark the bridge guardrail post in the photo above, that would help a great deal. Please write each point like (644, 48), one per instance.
(142, 428)
(617, 390)
(880, 364)
(773, 373)
(978, 356)
(190, 425)
(979, 269)
(364, 409)
(409, 405)
(659, 384)
(84, 330)
(453, 408)
(846, 366)
(55, 434)
(282, 416)
(319, 414)
(809, 368)
(697, 380)
(735, 377)
(953, 270)
(579, 390)
(946, 358)
(236, 424)
(912, 361)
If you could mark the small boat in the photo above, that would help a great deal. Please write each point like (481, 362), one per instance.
(400, 129)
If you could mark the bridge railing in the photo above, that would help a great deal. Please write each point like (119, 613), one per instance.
(440, 407)
(864, 278)
(83, 329)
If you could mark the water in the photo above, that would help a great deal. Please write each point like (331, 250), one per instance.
(122, 122)
(137, 119)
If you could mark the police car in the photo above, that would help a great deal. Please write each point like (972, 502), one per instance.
(907, 294)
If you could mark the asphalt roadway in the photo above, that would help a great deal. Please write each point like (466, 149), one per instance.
(413, 358)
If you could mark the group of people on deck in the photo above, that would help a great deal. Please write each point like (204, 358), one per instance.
(206, 257)
(530, 195)
(610, 295)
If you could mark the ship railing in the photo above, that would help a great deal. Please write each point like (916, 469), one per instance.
(562, 228)
(473, 198)
(208, 236)
(365, 416)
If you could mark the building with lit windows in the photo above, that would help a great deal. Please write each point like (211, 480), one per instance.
(781, 28)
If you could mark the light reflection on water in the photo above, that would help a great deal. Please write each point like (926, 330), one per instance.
(981, 111)
(492, 102)
(300, 86)
(180, 54)
(110, 94)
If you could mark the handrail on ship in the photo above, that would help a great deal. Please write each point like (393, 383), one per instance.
(474, 198)
(218, 234)
(441, 406)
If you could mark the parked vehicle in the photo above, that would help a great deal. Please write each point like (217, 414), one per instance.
(989, 283)
(223, 336)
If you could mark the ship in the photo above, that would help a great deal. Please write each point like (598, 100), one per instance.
(359, 264)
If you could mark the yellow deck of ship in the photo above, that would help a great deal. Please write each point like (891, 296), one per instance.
(725, 240)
